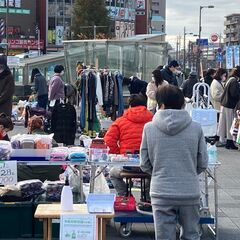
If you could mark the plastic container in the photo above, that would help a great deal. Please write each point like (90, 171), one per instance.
(212, 153)
(100, 203)
(66, 197)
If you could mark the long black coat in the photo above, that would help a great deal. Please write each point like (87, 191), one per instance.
(7, 86)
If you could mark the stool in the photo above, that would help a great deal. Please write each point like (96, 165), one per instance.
(129, 175)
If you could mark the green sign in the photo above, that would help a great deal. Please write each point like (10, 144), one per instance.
(15, 10)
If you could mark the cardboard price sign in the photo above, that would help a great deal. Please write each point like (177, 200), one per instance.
(8, 172)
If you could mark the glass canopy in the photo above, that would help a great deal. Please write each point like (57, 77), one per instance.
(134, 56)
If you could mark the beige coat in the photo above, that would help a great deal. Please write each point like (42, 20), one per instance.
(151, 94)
(216, 90)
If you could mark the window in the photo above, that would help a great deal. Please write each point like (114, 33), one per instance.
(155, 11)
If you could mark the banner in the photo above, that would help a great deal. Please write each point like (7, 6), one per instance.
(82, 227)
(236, 56)
(59, 35)
(229, 57)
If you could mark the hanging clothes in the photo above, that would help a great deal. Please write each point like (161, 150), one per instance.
(119, 80)
(64, 123)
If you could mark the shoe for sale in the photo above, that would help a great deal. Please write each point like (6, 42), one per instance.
(145, 206)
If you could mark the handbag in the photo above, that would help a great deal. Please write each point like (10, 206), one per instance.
(123, 203)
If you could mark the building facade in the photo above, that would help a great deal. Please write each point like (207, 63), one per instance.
(19, 25)
(158, 16)
(232, 29)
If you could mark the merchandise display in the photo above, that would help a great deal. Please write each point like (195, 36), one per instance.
(53, 190)
(5, 150)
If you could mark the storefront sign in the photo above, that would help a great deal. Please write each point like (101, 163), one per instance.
(24, 44)
(140, 4)
(229, 57)
(15, 10)
(11, 3)
(78, 227)
(8, 172)
(121, 13)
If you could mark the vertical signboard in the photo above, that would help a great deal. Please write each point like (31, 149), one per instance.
(59, 35)
(229, 57)
(236, 56)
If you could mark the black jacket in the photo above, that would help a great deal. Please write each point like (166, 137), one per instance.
(137, 86)
(169, 76)
(64, 123)
(231, 94)
(187, 86)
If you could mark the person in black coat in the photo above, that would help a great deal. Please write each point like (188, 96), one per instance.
(187, 86)
(168, 73)
(135, 85)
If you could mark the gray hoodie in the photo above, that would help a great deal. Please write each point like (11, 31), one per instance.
(174, 152)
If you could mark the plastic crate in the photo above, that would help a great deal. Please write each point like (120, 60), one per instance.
(16, 220)
(100, 203)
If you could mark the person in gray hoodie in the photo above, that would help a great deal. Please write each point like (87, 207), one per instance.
(174, 152)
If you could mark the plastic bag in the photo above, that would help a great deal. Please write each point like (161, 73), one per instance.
(74, 178)
(100, 183)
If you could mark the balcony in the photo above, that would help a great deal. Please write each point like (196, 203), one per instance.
(232, 31)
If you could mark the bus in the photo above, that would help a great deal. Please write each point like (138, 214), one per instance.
(22, 72)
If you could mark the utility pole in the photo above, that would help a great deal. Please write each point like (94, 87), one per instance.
(184, 48)
(6, 23)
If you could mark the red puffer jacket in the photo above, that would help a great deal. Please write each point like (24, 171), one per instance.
(125, 134)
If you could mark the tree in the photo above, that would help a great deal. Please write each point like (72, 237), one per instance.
(86, 14)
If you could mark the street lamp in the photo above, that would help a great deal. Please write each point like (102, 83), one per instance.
(184, 48)
(199, 33)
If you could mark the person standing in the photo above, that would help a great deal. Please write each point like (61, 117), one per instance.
(40, 87)
(168, 73)
(56, 86)
(125, 135)
(174, 153)
(7, 86)
(152, 87)
(217, 87)
(187, 86)
(229, 100)
(209, 76)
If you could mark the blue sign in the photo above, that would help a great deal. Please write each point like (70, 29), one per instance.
(202, 41)
(219, 57)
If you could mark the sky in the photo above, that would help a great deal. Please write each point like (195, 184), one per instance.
(180, 13)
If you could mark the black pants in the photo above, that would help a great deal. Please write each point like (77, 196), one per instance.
(42, 101)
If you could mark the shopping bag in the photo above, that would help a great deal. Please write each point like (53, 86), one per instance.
(123, 203)
(238, 136)
(100, 183)
(234, 128)
(207, 117)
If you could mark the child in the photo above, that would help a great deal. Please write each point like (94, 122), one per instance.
(6, 125)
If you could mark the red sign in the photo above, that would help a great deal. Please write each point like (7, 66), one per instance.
(24, 44)
(214, 37)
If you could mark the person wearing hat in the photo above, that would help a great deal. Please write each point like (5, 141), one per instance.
(6, 87)
(187, 86)
(169, 73)
(56, 86)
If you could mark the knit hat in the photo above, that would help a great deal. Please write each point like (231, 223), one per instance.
(193, 73)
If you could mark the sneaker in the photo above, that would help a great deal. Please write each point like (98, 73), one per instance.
(145, 206)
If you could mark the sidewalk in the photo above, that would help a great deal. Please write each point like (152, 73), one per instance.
(229, 201)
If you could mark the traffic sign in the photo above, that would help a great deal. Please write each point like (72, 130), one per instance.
(214, 37)
(202, 41)
(219, 57)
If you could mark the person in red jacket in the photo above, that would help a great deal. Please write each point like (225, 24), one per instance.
(125, 135)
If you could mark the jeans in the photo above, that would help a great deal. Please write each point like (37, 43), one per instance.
(120, 185)
(165, 222)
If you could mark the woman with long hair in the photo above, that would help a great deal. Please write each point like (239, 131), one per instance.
(152, 87)
(229, 100)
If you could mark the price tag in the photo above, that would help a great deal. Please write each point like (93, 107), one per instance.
(8, 172)
(78, 227)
